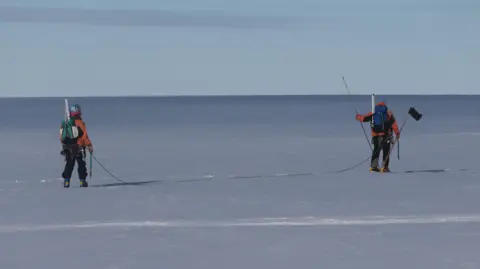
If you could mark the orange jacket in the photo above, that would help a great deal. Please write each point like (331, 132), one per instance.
(368, 118)
(84, 140)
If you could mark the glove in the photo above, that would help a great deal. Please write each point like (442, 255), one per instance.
(90, 148)
(398, 136)
(64, 150)
(359, 117)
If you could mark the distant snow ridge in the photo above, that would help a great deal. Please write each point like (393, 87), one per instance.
(258, 222)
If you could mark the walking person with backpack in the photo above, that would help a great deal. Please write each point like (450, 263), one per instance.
(75, 140)
(382, 123)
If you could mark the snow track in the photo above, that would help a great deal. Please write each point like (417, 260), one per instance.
(259, 222)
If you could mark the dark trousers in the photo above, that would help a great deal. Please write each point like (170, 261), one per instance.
(74, 154)
(380, 143)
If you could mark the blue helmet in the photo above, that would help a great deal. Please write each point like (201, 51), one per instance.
(75, 110)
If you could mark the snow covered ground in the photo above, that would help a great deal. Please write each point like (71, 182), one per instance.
(241, 183)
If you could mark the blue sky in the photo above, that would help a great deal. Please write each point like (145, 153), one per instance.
(205, 47)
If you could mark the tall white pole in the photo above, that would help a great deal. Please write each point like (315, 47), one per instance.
(373, 102)
(373, 110)
(373, 105)
(67, 114)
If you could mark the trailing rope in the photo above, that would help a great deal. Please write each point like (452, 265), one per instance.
(106, 170)
(258, 176)
(353, 167)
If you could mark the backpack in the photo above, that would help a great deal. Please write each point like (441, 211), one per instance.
(69, 132)
(380, 119)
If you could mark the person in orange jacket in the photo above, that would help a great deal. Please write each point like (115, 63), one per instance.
(382, 123)
(74, 145)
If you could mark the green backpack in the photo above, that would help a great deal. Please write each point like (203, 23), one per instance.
(69, 132)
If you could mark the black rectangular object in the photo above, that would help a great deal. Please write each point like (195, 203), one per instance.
(414, 113)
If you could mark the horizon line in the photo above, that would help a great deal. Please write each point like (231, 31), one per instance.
(234, 95)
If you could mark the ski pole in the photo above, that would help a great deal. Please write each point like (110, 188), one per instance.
(398, 150)
(395, 142)
(416, 116)
(91, 165)
(363, 128)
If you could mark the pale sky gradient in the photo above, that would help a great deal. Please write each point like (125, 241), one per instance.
(192, 47)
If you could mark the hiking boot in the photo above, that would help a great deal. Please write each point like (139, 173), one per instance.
(374, 169)
(66, 183)
(83, 183)
(385, 170)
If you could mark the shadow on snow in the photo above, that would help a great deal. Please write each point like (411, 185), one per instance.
(151, 182)
(142, 183)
